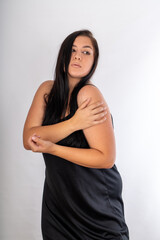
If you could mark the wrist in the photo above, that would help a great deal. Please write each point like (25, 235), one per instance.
(52, 149)
(72, 125)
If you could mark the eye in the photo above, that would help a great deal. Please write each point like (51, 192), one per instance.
(73, 50)
(86, 52)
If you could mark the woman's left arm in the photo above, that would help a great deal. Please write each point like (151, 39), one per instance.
(100, 138)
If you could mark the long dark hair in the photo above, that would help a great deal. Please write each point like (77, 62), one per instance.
(57, 100)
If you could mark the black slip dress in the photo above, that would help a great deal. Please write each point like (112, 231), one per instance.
(81, 203)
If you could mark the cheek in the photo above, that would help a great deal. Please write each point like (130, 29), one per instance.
(90, 64)
(91, 60)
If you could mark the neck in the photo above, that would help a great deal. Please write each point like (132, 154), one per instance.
(72, 83)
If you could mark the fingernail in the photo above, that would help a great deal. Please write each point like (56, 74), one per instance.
(33, 138)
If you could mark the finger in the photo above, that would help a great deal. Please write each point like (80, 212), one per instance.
(100, 121)
(36, 135)
(95, 105)
(85, 103)
(36, 144)
(32, 144)
(100, 115)
(99, 109)
(37, 140)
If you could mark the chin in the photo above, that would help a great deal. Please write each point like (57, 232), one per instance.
(75, 76)
(79, 76)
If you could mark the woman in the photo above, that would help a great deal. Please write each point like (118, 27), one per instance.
(67, 122)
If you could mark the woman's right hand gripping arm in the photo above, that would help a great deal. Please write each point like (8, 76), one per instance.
(86, 116)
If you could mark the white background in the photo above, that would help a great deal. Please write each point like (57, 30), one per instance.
(128, 75)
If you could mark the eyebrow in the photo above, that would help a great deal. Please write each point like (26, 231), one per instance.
(84, 46)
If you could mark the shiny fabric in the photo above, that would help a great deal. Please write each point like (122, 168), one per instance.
(81, 203)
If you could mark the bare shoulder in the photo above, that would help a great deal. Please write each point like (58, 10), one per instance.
(46, 86)
(92, 92)
(42, 92)
(89, 91)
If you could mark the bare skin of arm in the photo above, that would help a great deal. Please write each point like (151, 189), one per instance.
(100, 138)
(86, 116)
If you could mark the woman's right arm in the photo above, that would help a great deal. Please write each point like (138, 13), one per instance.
(85, 116)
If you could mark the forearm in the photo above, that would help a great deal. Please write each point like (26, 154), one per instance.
(91, 158)
(53, 133)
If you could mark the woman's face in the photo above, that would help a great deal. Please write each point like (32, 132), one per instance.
(82, 58)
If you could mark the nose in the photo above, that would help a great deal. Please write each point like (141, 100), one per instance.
(77, 56)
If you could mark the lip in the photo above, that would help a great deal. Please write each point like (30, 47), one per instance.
(76, 65)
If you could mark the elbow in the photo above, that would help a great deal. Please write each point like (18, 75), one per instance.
(105, 160)
(109, 164)
(26, 137)
(108, 161)
(25, 143)
(26, 146)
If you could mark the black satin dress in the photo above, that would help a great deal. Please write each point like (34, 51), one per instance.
(81, 203)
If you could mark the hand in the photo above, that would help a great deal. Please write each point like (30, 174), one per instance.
(38, 145)
(89, 115)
